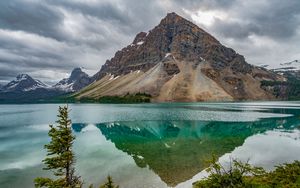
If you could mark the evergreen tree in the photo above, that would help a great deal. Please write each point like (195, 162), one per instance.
(109, 183)
(60, 158)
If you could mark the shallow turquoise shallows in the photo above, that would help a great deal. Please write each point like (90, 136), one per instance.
(149, 145)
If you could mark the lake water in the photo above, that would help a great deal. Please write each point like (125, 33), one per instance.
(150, 145)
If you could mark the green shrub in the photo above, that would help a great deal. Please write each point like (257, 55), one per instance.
(240, 175)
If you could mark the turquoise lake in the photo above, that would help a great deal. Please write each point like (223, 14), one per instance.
(149, 145)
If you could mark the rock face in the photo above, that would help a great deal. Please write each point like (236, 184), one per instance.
(178, 61)
(77, 80)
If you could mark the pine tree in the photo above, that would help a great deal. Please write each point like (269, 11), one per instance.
(60, 158)
(109, 183)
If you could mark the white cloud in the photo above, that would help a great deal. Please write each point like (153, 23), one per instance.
(206, 18)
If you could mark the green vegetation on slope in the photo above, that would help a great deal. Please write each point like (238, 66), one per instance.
(243, 175)
(288, 90)
(128, 98)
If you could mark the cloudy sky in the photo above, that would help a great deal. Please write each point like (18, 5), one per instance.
(48, 38)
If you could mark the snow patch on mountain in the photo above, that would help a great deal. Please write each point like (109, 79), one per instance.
(64, 85)
(140, 43)
(167, 55)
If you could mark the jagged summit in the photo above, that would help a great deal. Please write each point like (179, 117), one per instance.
(23, 82)
(173, 17)
(178, 61)
(23, 76)
(174, 35)
(25, 89)
(77, 73)
(77, 80)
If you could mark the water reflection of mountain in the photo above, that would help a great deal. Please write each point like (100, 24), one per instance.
(178, 150)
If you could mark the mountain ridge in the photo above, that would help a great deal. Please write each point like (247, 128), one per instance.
(27, 89)
(23, 82)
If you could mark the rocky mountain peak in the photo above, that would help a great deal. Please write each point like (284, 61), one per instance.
(76, 69)
(178, 61)
(140, 37)
(77, 73)
(174, 19)
(23, 77)
(23, 82)
(176, 35)
(77, 80)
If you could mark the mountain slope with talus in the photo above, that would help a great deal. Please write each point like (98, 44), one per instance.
(178, 61)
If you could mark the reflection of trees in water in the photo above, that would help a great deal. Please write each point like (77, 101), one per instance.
(77, 127)
(178, 150)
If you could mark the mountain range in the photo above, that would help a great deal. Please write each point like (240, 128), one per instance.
(26, 89)
(23, 82)
(176, 61)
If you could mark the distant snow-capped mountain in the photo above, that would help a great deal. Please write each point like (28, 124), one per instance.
(27, 89)
(289, 66)
(77, 80)
(23, 82)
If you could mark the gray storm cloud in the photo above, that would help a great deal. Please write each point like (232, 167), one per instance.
(48, 38)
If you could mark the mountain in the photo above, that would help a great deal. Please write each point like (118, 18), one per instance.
(293, 66)
(26, 89)
(178, 61)
(77, 80)
(289, 66)
(289, 89)
(23, 82)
